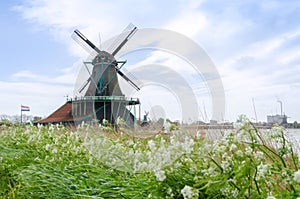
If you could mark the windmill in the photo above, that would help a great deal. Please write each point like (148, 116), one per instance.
(101, 96)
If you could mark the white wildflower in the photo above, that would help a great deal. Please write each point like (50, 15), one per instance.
(297, 176)
(51, 128)
(160, 175)
(276, 131)
(286, 177)
(232, 147)
(198, 135)
(262, 170)
(187, 145)
(211, 171)
(234, 193)
(285, 155)
(151, 145)
(54, 150)
(225, 166)
(167, 127)
(188, 192)
(47, 147)
(231, 180)
(270, 196)
(239, 153)
(224, 155)
(225, 191)
(259, 156)
(248, 151)
(220, 148)
(170, 192)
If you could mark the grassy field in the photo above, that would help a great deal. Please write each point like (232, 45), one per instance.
(89, 162)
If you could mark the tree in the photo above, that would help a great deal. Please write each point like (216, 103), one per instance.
(36, 118)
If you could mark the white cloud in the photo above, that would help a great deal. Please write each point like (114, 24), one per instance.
(189, 23)
(66, 76)
(24, 74)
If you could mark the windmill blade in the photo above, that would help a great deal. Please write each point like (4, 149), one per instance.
(127, 79)
(85, 43)
(121, 40)
(132, 77)
(84, 85)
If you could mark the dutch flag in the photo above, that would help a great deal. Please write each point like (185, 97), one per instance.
(25, 108)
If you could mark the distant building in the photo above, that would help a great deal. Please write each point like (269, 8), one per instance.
(278, 119)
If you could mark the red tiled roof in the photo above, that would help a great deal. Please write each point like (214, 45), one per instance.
(63, 114)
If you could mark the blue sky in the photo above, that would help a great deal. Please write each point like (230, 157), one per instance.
(254, 45)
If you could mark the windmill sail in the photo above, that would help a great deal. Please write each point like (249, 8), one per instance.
(124, 41)
(84, 85)
(77, 34)
(121, 40)
(128, 80)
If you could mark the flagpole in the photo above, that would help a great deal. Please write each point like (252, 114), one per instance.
(21, 113)
(24, 108)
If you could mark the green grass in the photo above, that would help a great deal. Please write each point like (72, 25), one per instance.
(54, 162)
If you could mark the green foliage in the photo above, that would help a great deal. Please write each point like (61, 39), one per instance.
(36, 118)
(96, 162)
(6, 122)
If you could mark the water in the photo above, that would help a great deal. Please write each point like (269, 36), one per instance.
(294, 135)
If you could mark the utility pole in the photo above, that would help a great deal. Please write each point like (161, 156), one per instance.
(280, 106)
